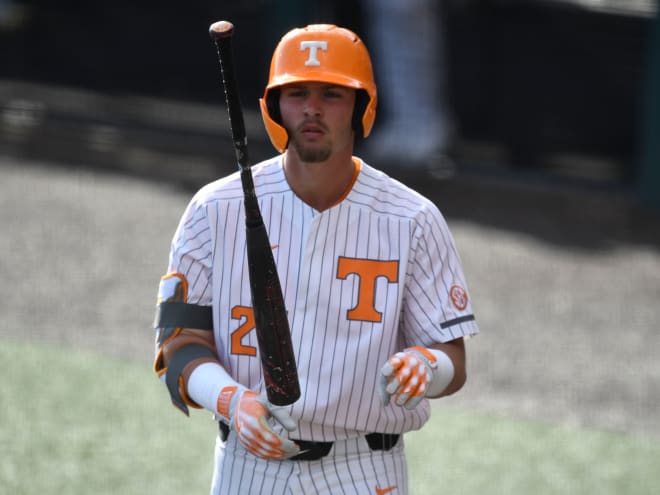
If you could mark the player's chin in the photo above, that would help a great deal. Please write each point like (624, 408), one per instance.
(312, 152)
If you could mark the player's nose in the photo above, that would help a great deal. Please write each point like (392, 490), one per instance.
(312, 104)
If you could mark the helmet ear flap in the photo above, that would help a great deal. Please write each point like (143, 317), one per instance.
(272, 117)
(361, 102)
(273, 105)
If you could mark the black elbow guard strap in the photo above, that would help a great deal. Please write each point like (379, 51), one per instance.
(173, 314)
(173, 380)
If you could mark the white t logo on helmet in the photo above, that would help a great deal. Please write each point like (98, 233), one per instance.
(313, 47)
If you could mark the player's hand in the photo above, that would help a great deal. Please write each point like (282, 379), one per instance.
(250, 415)
(406, 376)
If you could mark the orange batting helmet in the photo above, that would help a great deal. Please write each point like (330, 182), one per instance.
(320, 53)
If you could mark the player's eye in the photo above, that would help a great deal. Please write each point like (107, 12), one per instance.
(295, 93)
(333, 93)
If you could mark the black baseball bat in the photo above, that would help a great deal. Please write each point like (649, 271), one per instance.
(278, 361)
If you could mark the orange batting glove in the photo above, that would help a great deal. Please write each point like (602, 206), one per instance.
(249, 414)
(413, 374)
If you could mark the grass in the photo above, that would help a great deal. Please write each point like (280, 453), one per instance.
(78, 423)
(477, 454)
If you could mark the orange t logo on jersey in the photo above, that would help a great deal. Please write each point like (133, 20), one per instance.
(367, 271)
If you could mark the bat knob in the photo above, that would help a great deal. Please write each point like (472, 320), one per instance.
(221, 29)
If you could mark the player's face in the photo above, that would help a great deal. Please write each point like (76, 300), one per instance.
(317, 117)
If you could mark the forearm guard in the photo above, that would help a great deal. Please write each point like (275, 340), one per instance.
(174, 380)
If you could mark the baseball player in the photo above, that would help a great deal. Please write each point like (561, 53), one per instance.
(377, 300)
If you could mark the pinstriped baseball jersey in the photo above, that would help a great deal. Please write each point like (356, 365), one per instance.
(362, 280)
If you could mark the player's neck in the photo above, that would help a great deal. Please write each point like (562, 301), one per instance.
(321, 184)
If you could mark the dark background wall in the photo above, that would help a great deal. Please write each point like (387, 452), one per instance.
(535, 78)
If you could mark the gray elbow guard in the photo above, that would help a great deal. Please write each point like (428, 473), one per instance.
(173, 314)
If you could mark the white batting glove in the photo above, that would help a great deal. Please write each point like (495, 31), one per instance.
(413, 374)
(249, 414)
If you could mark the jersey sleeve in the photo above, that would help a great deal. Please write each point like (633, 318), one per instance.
(437, 306)
(191, 253)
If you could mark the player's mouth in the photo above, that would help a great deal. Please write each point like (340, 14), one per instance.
(312, 130)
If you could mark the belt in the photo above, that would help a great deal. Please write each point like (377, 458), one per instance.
(313, 451)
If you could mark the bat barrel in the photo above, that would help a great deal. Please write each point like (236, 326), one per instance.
(273, 333)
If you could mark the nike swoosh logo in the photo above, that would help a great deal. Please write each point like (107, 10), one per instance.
(274, 246)
(383, 491)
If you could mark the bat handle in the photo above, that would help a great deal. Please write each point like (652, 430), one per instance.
(221, 33)
(221, 29)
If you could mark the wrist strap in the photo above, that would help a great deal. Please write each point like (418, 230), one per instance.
(443, 373)
(441, 366)
(211, 387)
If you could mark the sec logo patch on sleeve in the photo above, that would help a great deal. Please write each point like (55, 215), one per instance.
(458, 297)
